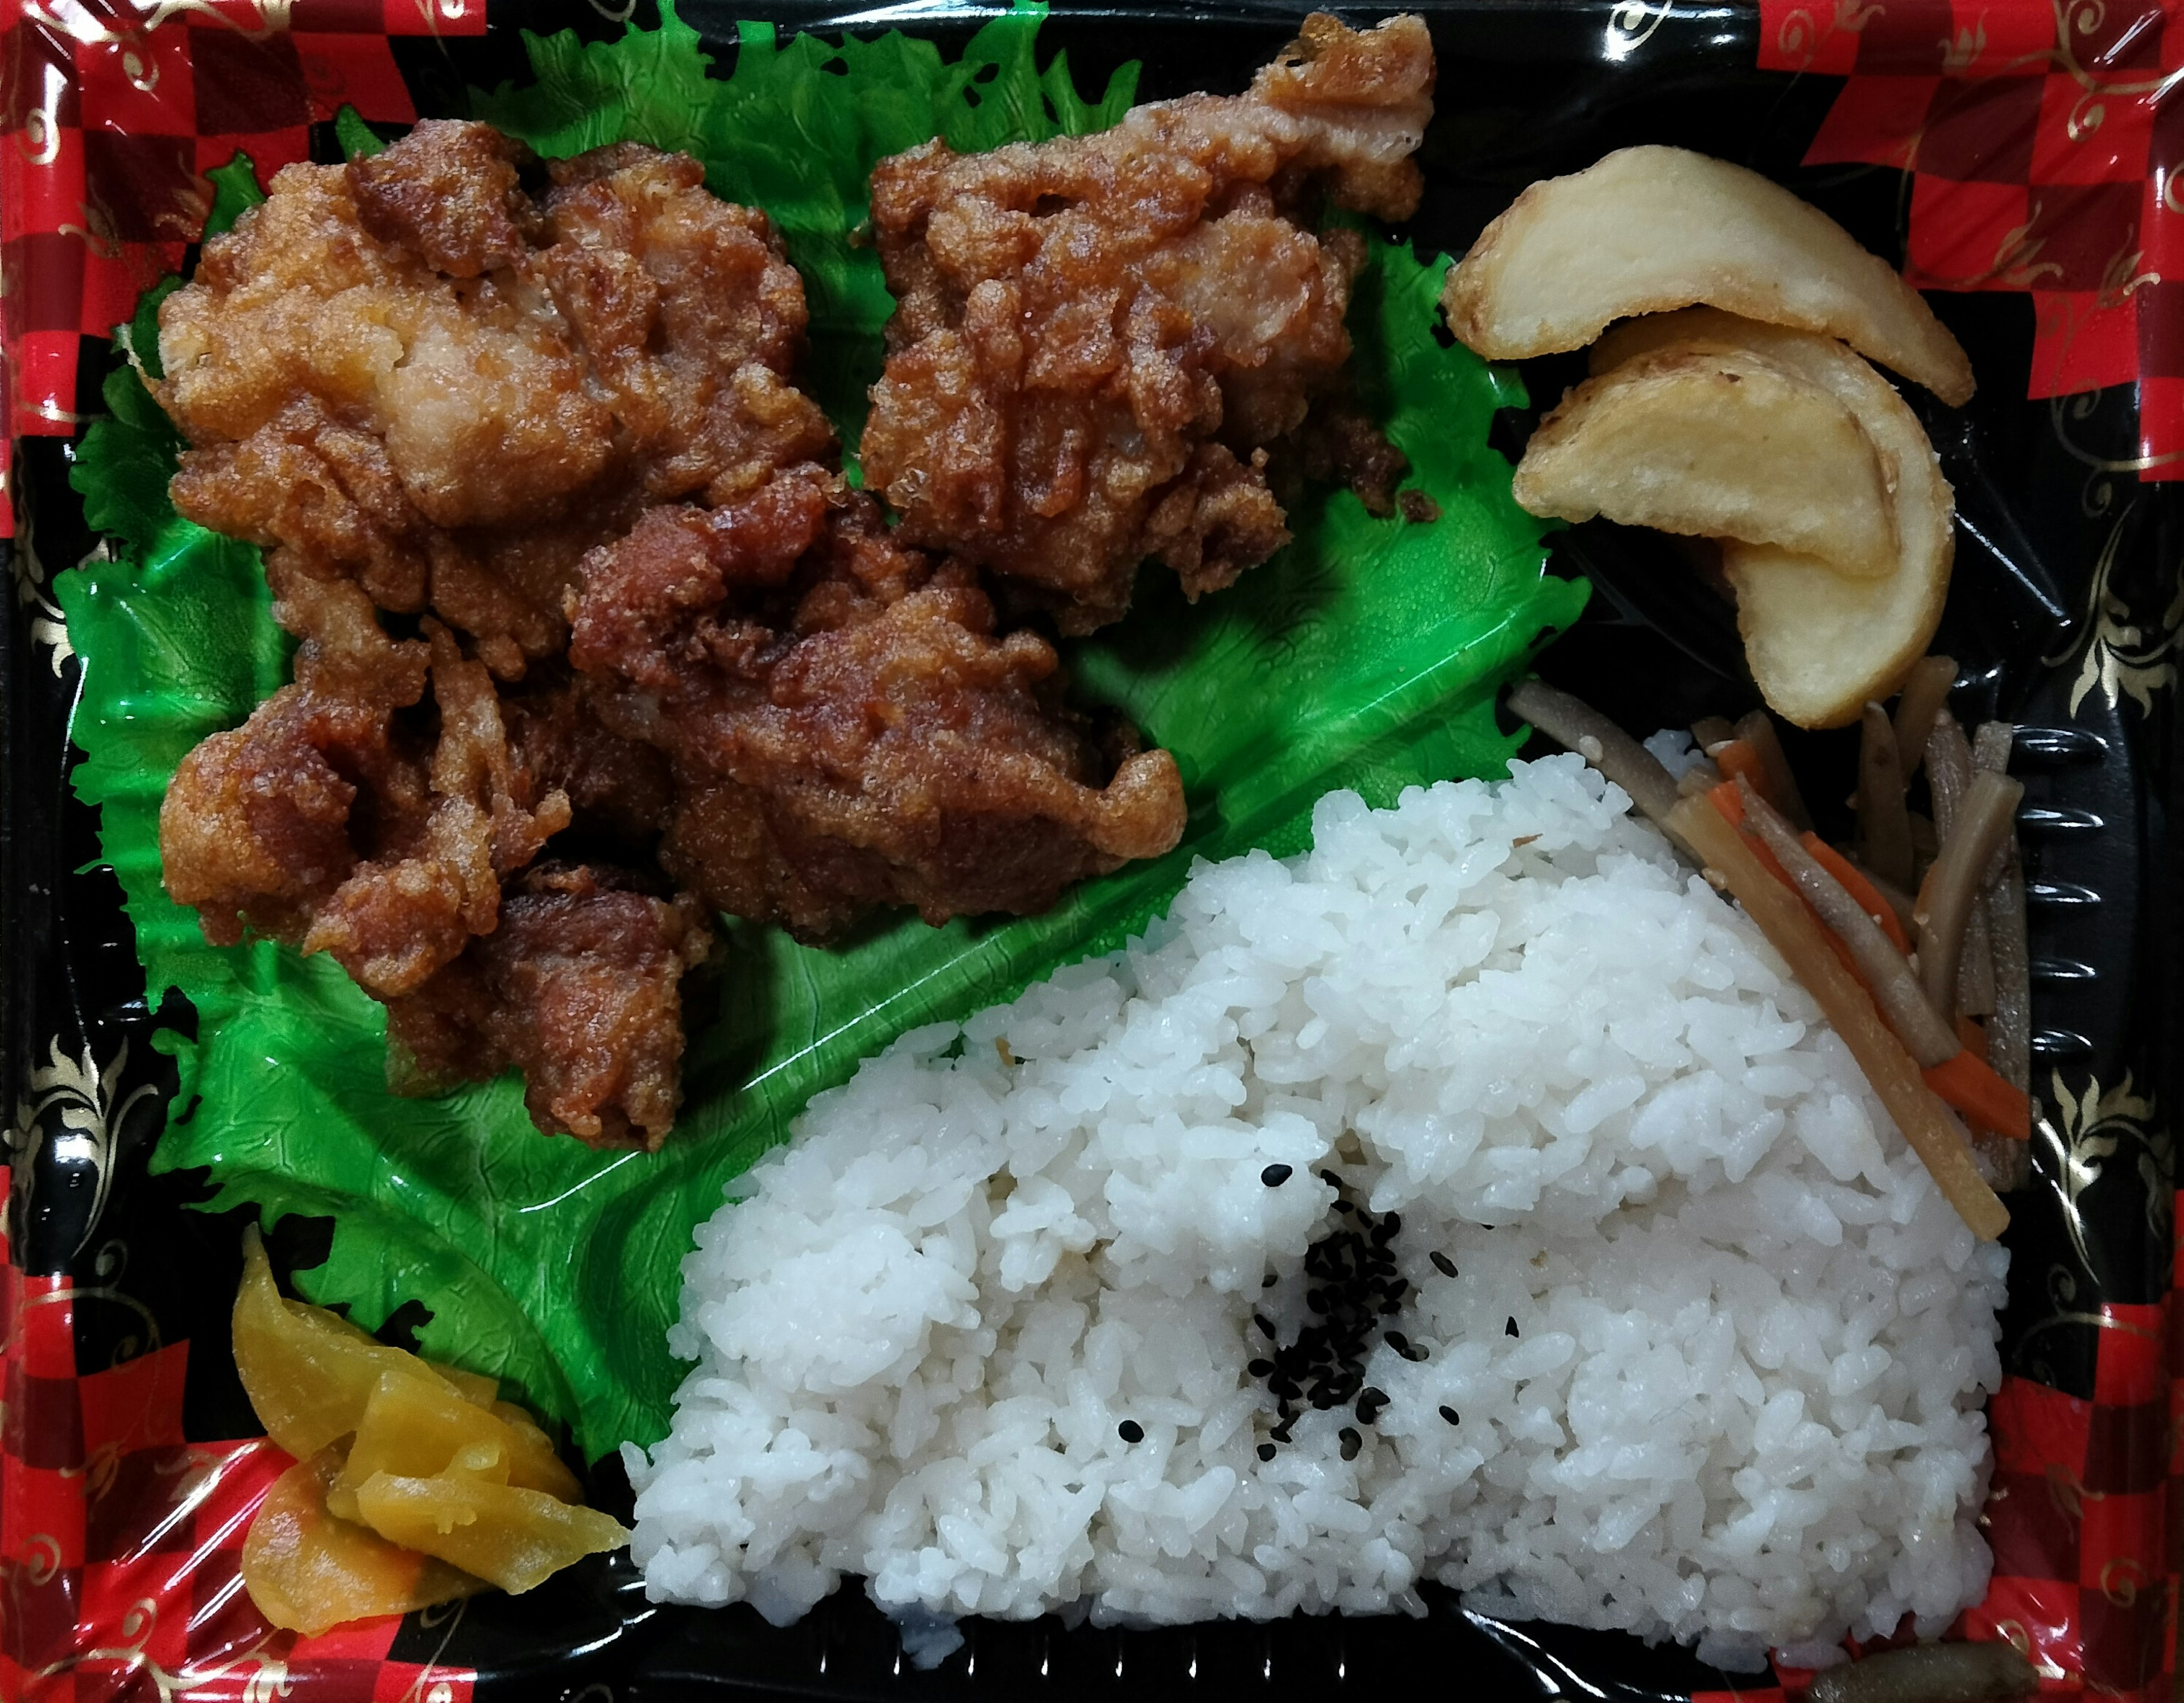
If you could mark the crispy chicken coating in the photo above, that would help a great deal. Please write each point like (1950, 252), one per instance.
(1100, 339)
(846, 728)
(453, 402)
(393, 820)
(580, 988)
(407, 372)
(427, 394)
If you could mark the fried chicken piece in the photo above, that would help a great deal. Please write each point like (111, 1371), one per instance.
(336, 818)
(579, 988)
(407, 372)
(331, 820)
(1099, 338)
(847, 730)
(424, 389)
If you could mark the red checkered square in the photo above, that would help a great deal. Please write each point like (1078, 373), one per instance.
(1963, 236)
(2078, 344)
(1874, 121)
(2127, 1450)
(51, 198)
(349, 71)
(2131, 1368)
(1983, 131)
(2032, 1526)
(138, 86)
(143, 188)
(51, 266)
(2071, 144)
(1912, 36)
(2124, 1629)
(245, 85)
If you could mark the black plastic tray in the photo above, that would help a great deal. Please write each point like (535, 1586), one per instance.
(2064, 559)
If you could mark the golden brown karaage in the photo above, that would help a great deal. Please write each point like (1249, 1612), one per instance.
(460, 399)
(847, 729)
(407, 372)
(1101, 340)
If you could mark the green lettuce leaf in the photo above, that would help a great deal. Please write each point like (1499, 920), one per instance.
(1367, 654)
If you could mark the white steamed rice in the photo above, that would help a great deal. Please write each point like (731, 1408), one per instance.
(1743, 1403)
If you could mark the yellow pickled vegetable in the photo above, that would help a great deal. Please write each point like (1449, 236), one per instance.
(308, 1372)
(473, 1386)
(532, 1465)
(416, 1428)
(308, 1570)
(402, 1465)
(514, 1538)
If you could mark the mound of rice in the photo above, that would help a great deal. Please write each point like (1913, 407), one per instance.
(1715, 1351)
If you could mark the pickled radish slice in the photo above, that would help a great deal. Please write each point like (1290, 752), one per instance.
(308, 1570)
(514, 1538)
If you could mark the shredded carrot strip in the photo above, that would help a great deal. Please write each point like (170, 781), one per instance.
(1860, 888)
(1731, 802)
(1968, 1083)
(1737, 757)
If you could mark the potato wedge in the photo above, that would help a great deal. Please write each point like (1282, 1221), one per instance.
(1649, 229)
(1819, 645)
(1716, 443)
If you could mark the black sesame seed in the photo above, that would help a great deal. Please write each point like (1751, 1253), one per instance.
(1269, 1281)
(1266, 1452)
(1399, 1342)
(1351, 1443)
(1443, 1264)
(1414, 1353)
(1260, 1368)
(1510, 1329)
(1449, 1414)
(1369, 1405)
(1393, 1224)
(1260, 1320)
(1344, 1206)
(1130, 1431)
(1276, 1175)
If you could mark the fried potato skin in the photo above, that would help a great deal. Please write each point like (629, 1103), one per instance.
(1649, 229)
(1819, 644)
(1715, 443)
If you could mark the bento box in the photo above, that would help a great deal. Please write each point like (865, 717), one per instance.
(2019, 158)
